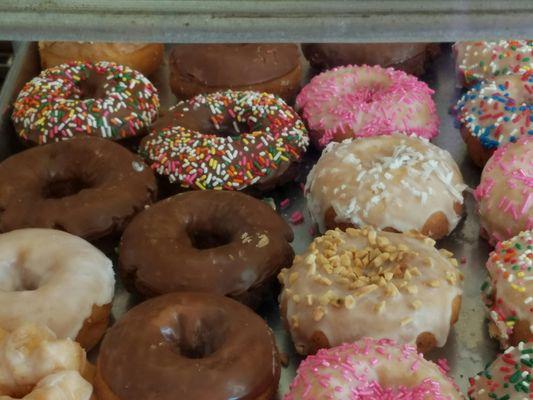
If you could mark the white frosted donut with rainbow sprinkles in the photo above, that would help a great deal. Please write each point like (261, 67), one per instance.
(359, 101)
(369, 370)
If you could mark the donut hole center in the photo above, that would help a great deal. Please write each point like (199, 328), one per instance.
(59, 188)
(196, 337)
(204, 238)
(229, 127)
(92, 87)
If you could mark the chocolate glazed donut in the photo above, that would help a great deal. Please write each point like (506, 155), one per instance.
(188, 346)
(89, 187)
(208, 241)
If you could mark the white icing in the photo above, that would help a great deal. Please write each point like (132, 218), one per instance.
(398, 182)
(67, 275)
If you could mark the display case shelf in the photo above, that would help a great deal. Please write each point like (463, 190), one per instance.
(260, 21)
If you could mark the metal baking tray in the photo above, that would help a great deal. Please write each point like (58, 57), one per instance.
(468, 348)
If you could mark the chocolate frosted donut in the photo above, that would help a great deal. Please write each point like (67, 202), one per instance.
(209, 241)
(409, 57)
(188, 346)
(89, 187)
(206, 68)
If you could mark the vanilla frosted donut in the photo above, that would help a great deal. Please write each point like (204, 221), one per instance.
(360, 101)
(55, 279)
(37, 365)
(395, 182)
(359, 283)
(509, 290)
(507, 378)
(369, 370)
(505, 192)
(476, 61)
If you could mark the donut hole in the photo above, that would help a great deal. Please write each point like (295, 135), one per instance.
(204, 238)
(197, 337)
(92, 87)
(59, 188)
(230, 128)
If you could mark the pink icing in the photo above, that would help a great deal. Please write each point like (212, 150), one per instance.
(353, 373)
(336, 101)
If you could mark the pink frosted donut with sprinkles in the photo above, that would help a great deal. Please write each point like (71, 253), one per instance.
(494, 113)
(477, 61)
(359, 101)
(227, 140)
(372, 369)
(508, 293)
(505, 193)
(85, 99)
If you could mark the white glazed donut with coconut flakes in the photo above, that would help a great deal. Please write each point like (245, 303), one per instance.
(397, 182)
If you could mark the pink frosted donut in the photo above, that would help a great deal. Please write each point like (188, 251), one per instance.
(370, 370)
(358, 101)
(505, 193)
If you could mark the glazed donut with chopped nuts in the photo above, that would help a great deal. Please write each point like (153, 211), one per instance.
(371, 369)
(227, 140)
(505, 192)
(367, 283)
(480, 61)
(55, 279)
(363, 101)
(85, 99)
(507, 378)
(397, 183)
(495, 113)
(37, 366)
(508, 292)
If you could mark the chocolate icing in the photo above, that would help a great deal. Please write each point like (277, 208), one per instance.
(329, 55)
(210, 241)
(89, 187)
(233, 65)
(189, 346)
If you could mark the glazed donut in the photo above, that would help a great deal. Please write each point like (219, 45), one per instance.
(85, 99)
(206, 68)
(509, 289)
(505, 192)
(495, 113)
(143, 57)
(397, 183)
(507, 378)
(72, 278)
(209, 241)
(480, 61)
(369, 370)
(227, 140)
(188, 346)
(362, 101)
(412, 58)
(359, 283)
(88, 187)
(31, 355)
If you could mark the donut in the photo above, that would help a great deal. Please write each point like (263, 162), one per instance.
(57, 280)
(507, 378)
(397, 183)
(262, 67)
(188, 346)
(363, 101)
(371, 369)
(508, 291)
(359, 283)
(209, 241)
(412, 58)
(505, 193)
(143, 57)
(89, 187)
(227, 140)
(495, 113)
(37, 365)
(85, 99)
(480, 61)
